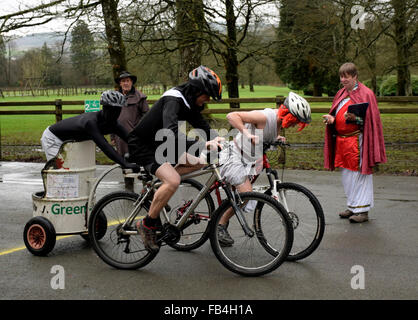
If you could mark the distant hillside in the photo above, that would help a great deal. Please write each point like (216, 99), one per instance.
(37, 40)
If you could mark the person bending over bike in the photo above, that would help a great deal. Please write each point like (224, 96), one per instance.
(241, 159)
(91, 126)
(182, 103)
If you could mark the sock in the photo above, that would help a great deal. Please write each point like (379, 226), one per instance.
(152, 223)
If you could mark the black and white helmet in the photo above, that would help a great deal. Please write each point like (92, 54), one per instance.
(113, 98)
(299, 107)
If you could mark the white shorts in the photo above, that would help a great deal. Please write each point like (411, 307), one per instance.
(234, 168)
(50, 144)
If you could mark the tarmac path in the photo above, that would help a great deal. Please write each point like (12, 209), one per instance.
(385, 249)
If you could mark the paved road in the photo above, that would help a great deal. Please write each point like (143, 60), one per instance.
(385, 247)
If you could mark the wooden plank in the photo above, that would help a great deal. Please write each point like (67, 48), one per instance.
(27, 112)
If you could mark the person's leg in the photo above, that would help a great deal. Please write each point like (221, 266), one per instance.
(188, 163)
(170, 181)
(347, 182)
(244, 187)
(361, 200)
(50, 144)
(148, 226)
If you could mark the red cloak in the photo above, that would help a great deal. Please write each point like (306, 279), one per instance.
(373, 142)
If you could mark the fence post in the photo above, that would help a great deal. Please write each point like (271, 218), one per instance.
(0, 144)
(58, 110)
(279, 101)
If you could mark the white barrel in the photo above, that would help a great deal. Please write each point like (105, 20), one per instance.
(67, 186)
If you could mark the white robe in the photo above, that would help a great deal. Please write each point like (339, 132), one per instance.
(359, 190)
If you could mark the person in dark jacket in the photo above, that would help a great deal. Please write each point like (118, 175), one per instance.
(91, 126)
(132, 113)
(182, 103)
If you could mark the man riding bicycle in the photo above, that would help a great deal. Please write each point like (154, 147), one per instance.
(255, 127)
(182, 103)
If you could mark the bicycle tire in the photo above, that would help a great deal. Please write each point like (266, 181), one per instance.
(121, 252)
(248, 256)
(307, 217)
(195, 231)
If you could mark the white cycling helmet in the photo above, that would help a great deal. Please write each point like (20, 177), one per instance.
(299, 107)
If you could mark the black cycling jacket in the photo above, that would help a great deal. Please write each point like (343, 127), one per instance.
(166, 114)
(93, 126)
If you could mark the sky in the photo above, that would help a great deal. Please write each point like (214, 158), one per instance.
(10, 6)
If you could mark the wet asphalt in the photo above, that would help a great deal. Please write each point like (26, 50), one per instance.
(385, 248)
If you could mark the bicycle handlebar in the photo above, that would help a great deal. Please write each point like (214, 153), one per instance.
(277, 143)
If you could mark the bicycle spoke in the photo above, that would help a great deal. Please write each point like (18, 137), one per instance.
(125, 251)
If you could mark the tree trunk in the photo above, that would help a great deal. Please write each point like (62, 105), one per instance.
(116, 46)
(251, 79)
(231, 60)
(189, 25)
(402, 49)
(317, 90)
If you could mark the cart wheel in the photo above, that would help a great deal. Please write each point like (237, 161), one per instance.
(101, 228)
(39, 236)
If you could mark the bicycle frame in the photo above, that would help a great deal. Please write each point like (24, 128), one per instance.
(215, 178)
(272, 177)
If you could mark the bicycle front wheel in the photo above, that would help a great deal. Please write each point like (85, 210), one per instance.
(307, 216)
(112, 244)
(269, 223)
(195, 231)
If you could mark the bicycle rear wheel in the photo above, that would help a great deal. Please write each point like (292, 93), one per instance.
(195, 231)
(117, 249)
(307, 217)
(248, 255)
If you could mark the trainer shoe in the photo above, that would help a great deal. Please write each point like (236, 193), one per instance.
(359, 218)
(224, 237)
(346, 214)
(149, 236)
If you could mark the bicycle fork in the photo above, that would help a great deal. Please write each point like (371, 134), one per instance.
(278, 195)
(238, 212)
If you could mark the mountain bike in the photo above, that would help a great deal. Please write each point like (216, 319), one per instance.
(263, 236)
(303, 207)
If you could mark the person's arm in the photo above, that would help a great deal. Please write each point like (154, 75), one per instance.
(107, 149)
(238, 119)
(144, 107)
(328, 119)
(121, 132)
(353, 118)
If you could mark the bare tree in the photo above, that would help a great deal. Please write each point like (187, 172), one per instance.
(73, 11)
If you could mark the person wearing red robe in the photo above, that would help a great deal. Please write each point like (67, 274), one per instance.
(356, 145)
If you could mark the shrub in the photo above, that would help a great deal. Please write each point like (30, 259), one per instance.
(388, 86)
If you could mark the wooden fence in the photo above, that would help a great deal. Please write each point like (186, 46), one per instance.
(71, 91)
(58, 104)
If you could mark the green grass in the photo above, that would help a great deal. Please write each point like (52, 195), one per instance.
(398, 128)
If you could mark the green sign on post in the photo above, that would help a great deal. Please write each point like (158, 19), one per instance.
(91, 105)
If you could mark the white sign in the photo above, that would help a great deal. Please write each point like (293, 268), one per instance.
(62, 186)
